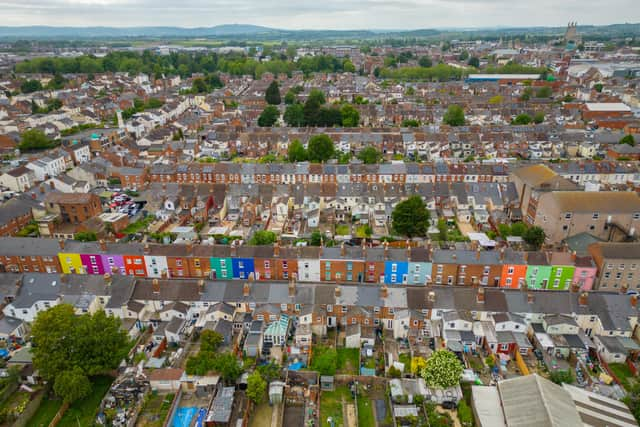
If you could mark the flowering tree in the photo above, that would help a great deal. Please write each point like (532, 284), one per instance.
(442, 370)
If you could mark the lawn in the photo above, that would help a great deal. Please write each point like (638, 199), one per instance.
(347, 362)
(261, 415)
(622, 371)
(45, 413)
(83, 412)
(140, 224)
(365, 411)
(342, 230)
(155, 410)
(331, 405)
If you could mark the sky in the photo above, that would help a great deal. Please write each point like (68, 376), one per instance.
(324, 14)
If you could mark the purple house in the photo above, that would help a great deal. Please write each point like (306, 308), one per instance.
(113, 264)
(92, 263)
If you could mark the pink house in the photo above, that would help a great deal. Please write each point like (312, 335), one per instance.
(585, 273)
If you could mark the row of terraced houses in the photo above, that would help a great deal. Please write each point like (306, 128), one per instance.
(609, 266)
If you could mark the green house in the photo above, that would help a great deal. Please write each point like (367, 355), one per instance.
(221, 268)
(538, 270)
(562, 270)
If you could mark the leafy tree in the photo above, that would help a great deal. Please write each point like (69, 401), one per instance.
(521, 119)
(272, 95)
(256, 388)
(57, 82)
(394, 372)
(35, 139)
(270, 371)
(296, 152)
(425, 62)
(442, 370)
(474, 61)
(538, 117)
(350, 116)
(348, 67)
(443, 230)
(464, 55)
(628, 139)
(210, 340)
(290, 97)
(312, 107)
(544, 92)
(316, 238)
(410, 123)
(411, 217)
(329, 116)
(320, 148)
(85, 236)
(94, 343)
(504, 230)
(417, 363)
(560, 376)
(269, 116)
(263, 237)
(199, 86)
(598, 87)
(294, 115)
(535, 236)
(518, 229)
(72, 385)
(227, 366)
(370, 155)
(454, 116)
(29, 86)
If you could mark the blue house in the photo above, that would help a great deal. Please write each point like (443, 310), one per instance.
(242, 267)
(419, 273)
(396, 272)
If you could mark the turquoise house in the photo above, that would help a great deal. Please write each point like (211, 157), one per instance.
(221, 268)
(538, 270)
(419, 273)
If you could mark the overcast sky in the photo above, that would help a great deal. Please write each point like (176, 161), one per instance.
(318, 14)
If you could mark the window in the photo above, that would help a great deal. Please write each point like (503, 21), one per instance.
(508, 281)
(607, 275)
(285, 275)
(349, 276)
(393, 278)
(504, 347)
(534, 271)
(267, 264)
(636, 215)
(196, 262)
(223, 263)
(510, 270)
(439, 269)
(556, 283)
(609, 266)
(327, 276)
(349, 266)
(633, 266)
(618, 275)
(394, 268)
(621, 267)
(559, 272)
(338, 276)
(344, 308)
(596, 215)
(567, 216)
(285, 265)
(329, 308)
(179, 262)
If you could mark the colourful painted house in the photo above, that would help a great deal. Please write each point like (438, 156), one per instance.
(585, 273)
(419, 267)
(156, 266)
(514, 270)
(221, 268)
(538, 270)
(396, 272)
(134, 265)
(71, 263)
(242, 267)
(113, 264)
(562, 270)
(92, 263)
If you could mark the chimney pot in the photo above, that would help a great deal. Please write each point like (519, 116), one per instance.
(530, 298)
(583, 299)
(246, 289)
(107, 278)
(431, 296)
(384, 291)
(480, 295)
(156, 286)
(634, 300)
(201, 286)
(61, 244)
(103, 245)
(337, 292)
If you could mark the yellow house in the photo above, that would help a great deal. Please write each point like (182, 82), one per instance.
(71, 263)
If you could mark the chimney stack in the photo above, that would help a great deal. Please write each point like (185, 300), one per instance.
(480, 295)
(146, 249)
(107, 279)
(575, 287)
(103, 245)
(246, 289)
(64, 278)
(384, 291)
(234, 249)
(530, 297)
(201, 286)
(478, 253)
(386, 250)
(431, 296)
(573, 256)
(337, 292)
(583, 299)
(156, 286)
(408, 251)
(502, 254)
(189, 247)
(276, 249)
(634, 301)
(342, 249)
(292, 287)
(61, 243)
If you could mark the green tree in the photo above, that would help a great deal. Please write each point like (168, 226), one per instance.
(474, 62)
(464, 55)
(496, 99)
(454, 116)
(628, 139)
(35, 139)
(29, 86)
(199, 86)
(94, 343)
(411, 217)
(632, 400)
(442, 370)
(329, 116)
(410, 123)
(269, 116)
(227, 366)
(85, 236)
(369, 155)
(443, 230)
(296, 152)
(465, 415)
(294, 115)
(312, 107)
(290, 97)
(538, 117)
(544, 92)
(320, 148)
(210, 341)
(348, 66)
(598, 87)
(72, 385)
(425, 62)
(316, 238)
(256, 388)
(272, 95)
(270, 371)
(521, 119)
(518, 229)
(263, 238)
(535, 236)
(560, 376)
(350, 116)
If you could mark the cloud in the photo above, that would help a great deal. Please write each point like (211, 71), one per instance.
(326, 14)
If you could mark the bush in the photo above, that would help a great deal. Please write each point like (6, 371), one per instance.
(464, 414)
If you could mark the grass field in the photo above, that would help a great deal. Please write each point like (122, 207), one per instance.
(45, 413)
(331, 405)
(365, 412)
(348, 361)
(622, 371)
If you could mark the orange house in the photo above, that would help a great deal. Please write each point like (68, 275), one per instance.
(134, 265)
(514, 270)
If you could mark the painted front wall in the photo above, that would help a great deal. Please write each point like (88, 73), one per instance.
(562, 275)
(221, 268)
(156, 265)
(308, 270)
(71, 263)
(537, 280)
(110, 261)
(242, 267)
(134, 265)
(519, 273)
(419, 273)
(92, 263)
(585, 277)
(396, 272)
